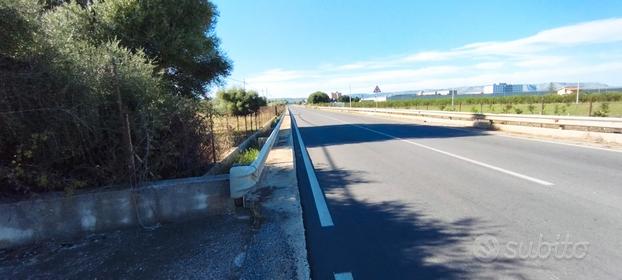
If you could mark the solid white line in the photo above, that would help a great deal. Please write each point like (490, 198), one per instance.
(499, 169)
(318, 196)
(343, 276)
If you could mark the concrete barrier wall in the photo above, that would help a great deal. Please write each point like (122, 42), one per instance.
(56, 216)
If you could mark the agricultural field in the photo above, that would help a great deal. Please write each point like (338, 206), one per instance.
(603, 105)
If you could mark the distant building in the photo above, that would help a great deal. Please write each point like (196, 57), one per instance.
(375, 98)
(335, 95)
(567, 90)
(508, 88)
(438, 92)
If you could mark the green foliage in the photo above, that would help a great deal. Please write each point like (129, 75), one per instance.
(506, 109)
(346, 99)
(179, 34)
(247, 156)
(238, 101)
(18, 26)
(603, 110)
(490, 100)
(76, 83)
(531, 108)
(318, 97)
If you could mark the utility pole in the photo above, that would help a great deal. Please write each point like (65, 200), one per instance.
(452, 100)
(577, 93)
(350, 95)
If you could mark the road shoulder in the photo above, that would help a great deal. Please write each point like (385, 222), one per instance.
(278, 248)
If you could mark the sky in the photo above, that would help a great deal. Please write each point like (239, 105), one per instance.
(292, 48)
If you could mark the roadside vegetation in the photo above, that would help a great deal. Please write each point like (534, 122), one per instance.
(318, 97)
(247, 156)
(114, 92)
(593, 104)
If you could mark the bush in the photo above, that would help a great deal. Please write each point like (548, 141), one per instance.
(247, 156)
(81, 111)
(506, 109)
(238, 102)
(603, 110)
(531, 108)
(318, 97)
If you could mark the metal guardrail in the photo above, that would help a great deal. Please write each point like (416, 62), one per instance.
(614, 124)
(245, 177)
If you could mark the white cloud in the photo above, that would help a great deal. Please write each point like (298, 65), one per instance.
(432, 56)
(537, 58)
(489, 65)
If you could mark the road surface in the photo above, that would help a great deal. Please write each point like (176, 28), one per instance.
(395, 200)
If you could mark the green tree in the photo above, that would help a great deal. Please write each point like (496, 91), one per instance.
(318, 97)
(346, 98)
(177, 35)
(238, 102)
(80, 89)
(18, 26)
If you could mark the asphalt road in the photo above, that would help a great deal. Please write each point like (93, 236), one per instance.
(421, 202)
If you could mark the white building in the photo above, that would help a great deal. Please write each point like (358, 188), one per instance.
(375, 98)
(508, 88)
(567, 90)
(438, 92)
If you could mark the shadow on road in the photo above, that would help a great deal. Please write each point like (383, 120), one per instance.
(393, 240)
(353, 133)
(380, 237)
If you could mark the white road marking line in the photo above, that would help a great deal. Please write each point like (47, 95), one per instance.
(343, 276)
(318, 196)
(499, 169)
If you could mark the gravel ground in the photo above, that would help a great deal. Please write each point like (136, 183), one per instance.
(200, 249)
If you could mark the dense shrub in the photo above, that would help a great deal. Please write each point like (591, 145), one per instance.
(80, 109)
(238, 102)
(318, 97)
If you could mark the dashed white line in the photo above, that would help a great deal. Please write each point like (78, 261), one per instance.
(318, 196)
(343, 276)
(482, 164)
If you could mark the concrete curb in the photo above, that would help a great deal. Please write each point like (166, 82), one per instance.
(70, 216)
(278, 249)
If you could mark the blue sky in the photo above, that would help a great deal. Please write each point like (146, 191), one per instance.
(292, 48)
